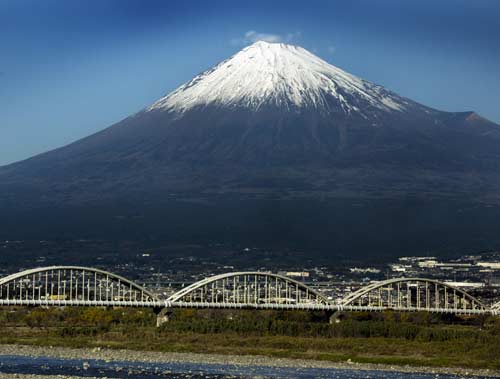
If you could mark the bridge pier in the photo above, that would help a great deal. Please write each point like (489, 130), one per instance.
(162, 315)
(334, 317)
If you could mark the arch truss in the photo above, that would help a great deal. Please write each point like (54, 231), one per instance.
(72, 285)
(413, 294)
(253, 289)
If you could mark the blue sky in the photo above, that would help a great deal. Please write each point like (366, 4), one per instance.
(69, 68)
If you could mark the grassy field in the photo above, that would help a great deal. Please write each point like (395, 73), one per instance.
(415, 339)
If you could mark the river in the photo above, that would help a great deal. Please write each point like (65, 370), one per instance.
(25, 366)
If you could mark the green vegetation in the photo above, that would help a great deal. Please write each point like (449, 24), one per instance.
(391, 338)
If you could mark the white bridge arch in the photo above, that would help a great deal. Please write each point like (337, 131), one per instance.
(251, 288)
(72, 285)
(413, 294)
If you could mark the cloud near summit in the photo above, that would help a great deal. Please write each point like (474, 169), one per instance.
(252, 36)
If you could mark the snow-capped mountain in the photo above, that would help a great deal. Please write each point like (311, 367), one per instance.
(272, 135)
(283, 76)
(271, 112)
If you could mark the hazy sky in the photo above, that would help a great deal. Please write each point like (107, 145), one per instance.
(69, 68)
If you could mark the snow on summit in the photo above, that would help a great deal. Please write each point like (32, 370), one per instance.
(281, 75)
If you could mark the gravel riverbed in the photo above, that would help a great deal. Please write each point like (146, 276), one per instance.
(111, 355)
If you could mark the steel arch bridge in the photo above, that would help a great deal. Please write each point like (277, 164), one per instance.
(83, 286)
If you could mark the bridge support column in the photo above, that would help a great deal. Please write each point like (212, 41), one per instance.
(334, 317)
(162, 315)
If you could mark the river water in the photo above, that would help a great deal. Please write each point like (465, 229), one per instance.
(136, 370)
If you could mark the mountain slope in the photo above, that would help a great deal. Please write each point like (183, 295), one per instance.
(273, 113)
(272, 122)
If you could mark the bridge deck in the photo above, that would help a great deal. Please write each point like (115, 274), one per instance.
(206, 305)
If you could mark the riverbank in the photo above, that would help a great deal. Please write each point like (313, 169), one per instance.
(382, 340)
(112, 355)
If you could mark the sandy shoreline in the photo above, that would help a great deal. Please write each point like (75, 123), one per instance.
(235, 360)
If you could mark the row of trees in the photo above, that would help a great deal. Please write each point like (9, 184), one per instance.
(410, 326)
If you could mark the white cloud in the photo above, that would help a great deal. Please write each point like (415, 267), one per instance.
(290, 37)
(252, 36)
